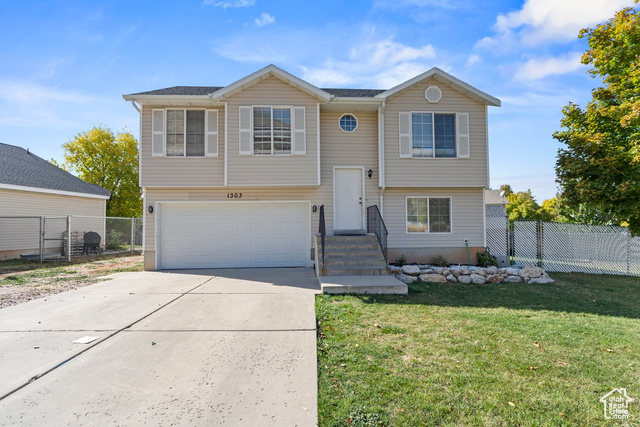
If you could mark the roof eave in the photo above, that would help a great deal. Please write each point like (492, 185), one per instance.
(172, 99)
(447, 79)
(270, 70)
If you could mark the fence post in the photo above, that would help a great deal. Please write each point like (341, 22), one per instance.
(133, 234)
(539, 242)
(508, 254)
(41, 240)
(68, 243)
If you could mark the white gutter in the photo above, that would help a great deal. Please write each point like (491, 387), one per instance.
(381, 172)
(50, 191)
(133, 102)
(226, 144)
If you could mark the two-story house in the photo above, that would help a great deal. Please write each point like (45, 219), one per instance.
(238, 176)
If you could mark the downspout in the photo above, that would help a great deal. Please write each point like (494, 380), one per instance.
(381, 156)
(133, 102)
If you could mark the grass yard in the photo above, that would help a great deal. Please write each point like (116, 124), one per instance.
(481, 355)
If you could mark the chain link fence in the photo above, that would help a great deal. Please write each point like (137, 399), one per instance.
(50, 238)
(583, 248)
(496, 233)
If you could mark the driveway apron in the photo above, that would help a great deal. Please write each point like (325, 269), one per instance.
(201, 347)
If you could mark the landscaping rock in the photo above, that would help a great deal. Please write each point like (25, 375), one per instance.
(512, 279)
(411, 270)
(494, 278)
(478, 279)
(502, 271)
(446, 272)
(395, 269)
(512, 271)
(531, 272)
(433, 278)
(426, 270)
(464, 279)
(406, 279)
(541, 280)
(479, 271)
(451, 278)
(491, 270)
(438, 270)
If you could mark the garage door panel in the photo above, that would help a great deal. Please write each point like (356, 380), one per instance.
(210, 235)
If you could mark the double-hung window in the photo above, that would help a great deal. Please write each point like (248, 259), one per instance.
(433, 135)
(271, 130)
(428, 215)
(185, 133)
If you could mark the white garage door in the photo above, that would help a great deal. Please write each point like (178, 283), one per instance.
(237, 234)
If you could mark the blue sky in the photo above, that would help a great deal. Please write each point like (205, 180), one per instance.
(65, 64)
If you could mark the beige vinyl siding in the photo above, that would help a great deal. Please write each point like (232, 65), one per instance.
(266, 170)
(358, 148)
(437, 172)
(467, 220)
(160, 171)
(22, 234)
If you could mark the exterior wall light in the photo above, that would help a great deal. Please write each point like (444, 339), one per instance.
(150, 209)
(369, 173)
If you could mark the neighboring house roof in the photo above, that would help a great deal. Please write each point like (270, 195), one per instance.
(494, 197)
(23, 170)
(217, 93)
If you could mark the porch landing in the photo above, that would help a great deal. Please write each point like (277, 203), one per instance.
(362, 285)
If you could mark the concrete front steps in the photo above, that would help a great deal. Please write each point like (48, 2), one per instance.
(353, 256)
(362, 285)
(356, 265)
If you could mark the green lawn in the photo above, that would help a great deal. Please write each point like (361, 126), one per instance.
(480, 355)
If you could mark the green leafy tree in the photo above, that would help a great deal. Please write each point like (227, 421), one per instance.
(110, 161)
(599, 170)
(522, 204)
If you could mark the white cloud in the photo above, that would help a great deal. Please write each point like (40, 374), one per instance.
(473, 60)
(230, 3)
(265, 19)
(550, 20)
(540, 68)
(384, 63)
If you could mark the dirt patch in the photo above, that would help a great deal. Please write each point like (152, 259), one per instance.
(19, 287)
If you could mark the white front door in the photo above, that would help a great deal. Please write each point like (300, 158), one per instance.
(349, 198)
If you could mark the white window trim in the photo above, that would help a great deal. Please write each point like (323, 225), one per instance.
(406, 215)
(184, 156)
(352, 115)
(433, 134)
(290, 107)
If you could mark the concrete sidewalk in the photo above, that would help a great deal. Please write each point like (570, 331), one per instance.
(205, 347)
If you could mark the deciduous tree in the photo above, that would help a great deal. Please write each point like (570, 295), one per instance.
(111, 161)
(599, 170)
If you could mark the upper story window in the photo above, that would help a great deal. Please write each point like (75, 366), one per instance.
(424, 135)
(185, 133)
(348, 122)
(271, 130)
(433, 135)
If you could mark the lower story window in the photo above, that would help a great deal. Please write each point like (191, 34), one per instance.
(428, 215)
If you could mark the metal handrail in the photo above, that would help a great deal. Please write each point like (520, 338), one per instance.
(375, 224)
(322, 229)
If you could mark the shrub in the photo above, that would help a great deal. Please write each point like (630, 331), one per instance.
(485, 259)
(440, 261)
(401, 261)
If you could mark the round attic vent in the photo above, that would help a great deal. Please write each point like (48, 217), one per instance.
(433, 94)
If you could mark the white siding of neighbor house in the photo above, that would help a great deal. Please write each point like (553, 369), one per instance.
(22, 234)
(158, 171)
(267, 170)
(467, 220)
(419, 172)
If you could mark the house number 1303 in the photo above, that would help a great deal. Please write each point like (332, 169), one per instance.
(234, 195)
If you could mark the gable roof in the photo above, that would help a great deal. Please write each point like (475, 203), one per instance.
(207, 90)
(270, 71)
(446, 79)
(21, 168)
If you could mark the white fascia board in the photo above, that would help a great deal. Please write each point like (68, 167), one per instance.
(50, 191)
(179, 100)
(447, 79)
(269, 70)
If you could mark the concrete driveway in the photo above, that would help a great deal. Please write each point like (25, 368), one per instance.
(201, 347)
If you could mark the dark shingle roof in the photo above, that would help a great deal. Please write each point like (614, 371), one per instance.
(20, 167)
(206, 90)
